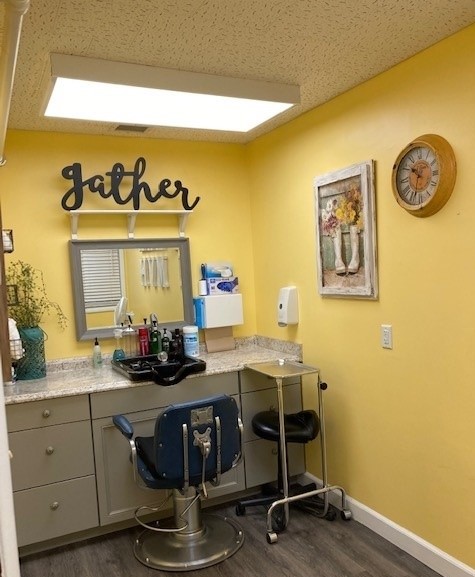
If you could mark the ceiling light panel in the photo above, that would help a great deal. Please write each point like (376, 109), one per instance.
(99, 90)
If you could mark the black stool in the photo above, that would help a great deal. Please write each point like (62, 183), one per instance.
(300, 427)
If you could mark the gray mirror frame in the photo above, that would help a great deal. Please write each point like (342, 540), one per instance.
(75, 246)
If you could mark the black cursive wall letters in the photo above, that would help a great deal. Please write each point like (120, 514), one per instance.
(74, 197)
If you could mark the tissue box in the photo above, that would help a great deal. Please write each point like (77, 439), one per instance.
(223, 286)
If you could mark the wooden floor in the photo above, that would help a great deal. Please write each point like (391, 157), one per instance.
(310, 547)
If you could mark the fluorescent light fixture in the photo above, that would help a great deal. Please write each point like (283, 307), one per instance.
(105, 91)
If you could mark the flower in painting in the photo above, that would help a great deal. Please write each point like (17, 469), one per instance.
(330, 223)
(349, 209)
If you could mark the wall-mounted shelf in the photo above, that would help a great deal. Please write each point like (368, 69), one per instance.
(131, 215)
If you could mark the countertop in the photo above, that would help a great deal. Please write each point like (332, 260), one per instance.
(71, 377)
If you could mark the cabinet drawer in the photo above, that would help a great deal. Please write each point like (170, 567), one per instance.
(51, 454)
(55, 510)
(266, 400)
(48, 412)
(254, 381)
(146, 397)
(261, 461)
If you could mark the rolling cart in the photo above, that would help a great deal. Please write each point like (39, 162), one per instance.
(279, 370)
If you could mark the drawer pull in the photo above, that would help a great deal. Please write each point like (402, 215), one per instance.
(49, 450)
(46, 413)
(272, 408)
(54, 505)
(275, 451)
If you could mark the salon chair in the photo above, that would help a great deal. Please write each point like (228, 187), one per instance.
(193, 444)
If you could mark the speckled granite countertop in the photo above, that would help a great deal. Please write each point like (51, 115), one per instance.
(71, 377)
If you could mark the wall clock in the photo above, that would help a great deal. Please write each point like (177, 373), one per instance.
(423, 176)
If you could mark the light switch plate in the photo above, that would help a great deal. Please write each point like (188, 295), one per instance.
(387, 336)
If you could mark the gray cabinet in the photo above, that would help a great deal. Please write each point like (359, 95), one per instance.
(259, 393)
(52, 468)
(71, 470)
(118, 494)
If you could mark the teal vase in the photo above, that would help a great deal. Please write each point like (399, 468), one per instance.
(33, 363)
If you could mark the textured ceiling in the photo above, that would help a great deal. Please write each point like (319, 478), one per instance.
(325, 46)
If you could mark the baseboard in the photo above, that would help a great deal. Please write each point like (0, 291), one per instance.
(420, 549)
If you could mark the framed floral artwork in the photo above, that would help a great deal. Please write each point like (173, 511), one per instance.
(346, 232)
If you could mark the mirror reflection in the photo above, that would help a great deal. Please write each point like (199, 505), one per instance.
(128, 281)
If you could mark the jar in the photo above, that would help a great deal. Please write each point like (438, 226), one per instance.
(130, 342)
(191, 344)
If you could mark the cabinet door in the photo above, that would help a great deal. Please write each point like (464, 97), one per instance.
(261, 461)
(118, 494)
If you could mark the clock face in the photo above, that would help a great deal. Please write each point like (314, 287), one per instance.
(424, 175)
(417, 176)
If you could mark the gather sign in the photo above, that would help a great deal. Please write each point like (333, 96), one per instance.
(136, 188)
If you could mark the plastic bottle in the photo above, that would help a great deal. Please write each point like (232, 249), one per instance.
(119, 353)
(143, 341)
(176, 345)
(96, 355)
(191, 345)
(130, 341)
(155, 340)
(165, 342)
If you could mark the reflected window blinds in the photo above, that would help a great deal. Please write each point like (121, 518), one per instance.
(102, 278)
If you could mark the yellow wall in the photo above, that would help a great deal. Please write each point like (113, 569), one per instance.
(31, 189)
(401, 422)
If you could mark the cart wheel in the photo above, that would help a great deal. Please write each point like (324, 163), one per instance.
(240, 510)
(331, 515)
(278, 519)
(271, 538)
(346, 514)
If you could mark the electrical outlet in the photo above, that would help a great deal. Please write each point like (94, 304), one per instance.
(387, 336)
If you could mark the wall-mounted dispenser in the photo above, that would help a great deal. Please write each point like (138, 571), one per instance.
(288, 306)
(218, 311)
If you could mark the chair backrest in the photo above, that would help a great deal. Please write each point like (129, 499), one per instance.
(216, 416)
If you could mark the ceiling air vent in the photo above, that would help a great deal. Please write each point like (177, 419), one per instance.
(131, 128)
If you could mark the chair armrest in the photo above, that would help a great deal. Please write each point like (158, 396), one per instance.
(124, 425)
(241, 435)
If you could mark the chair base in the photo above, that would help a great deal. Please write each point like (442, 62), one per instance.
(269, 494)
(217, 540)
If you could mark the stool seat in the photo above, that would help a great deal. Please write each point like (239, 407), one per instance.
(300, 427)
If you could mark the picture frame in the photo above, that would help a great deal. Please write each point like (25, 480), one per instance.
(346, 232)
(12, 295)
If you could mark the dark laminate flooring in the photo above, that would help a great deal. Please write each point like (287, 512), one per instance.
(310, 547)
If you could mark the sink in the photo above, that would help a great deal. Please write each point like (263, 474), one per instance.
(150, 368)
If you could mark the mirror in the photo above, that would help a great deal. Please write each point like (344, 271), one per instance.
(142, 276)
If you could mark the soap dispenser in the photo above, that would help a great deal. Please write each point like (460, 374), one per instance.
(96, 355)
(118, 353)
(288, 306)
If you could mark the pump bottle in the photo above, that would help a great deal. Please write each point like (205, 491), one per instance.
(96, 355)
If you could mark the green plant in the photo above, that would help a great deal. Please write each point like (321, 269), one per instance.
(31, 302)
